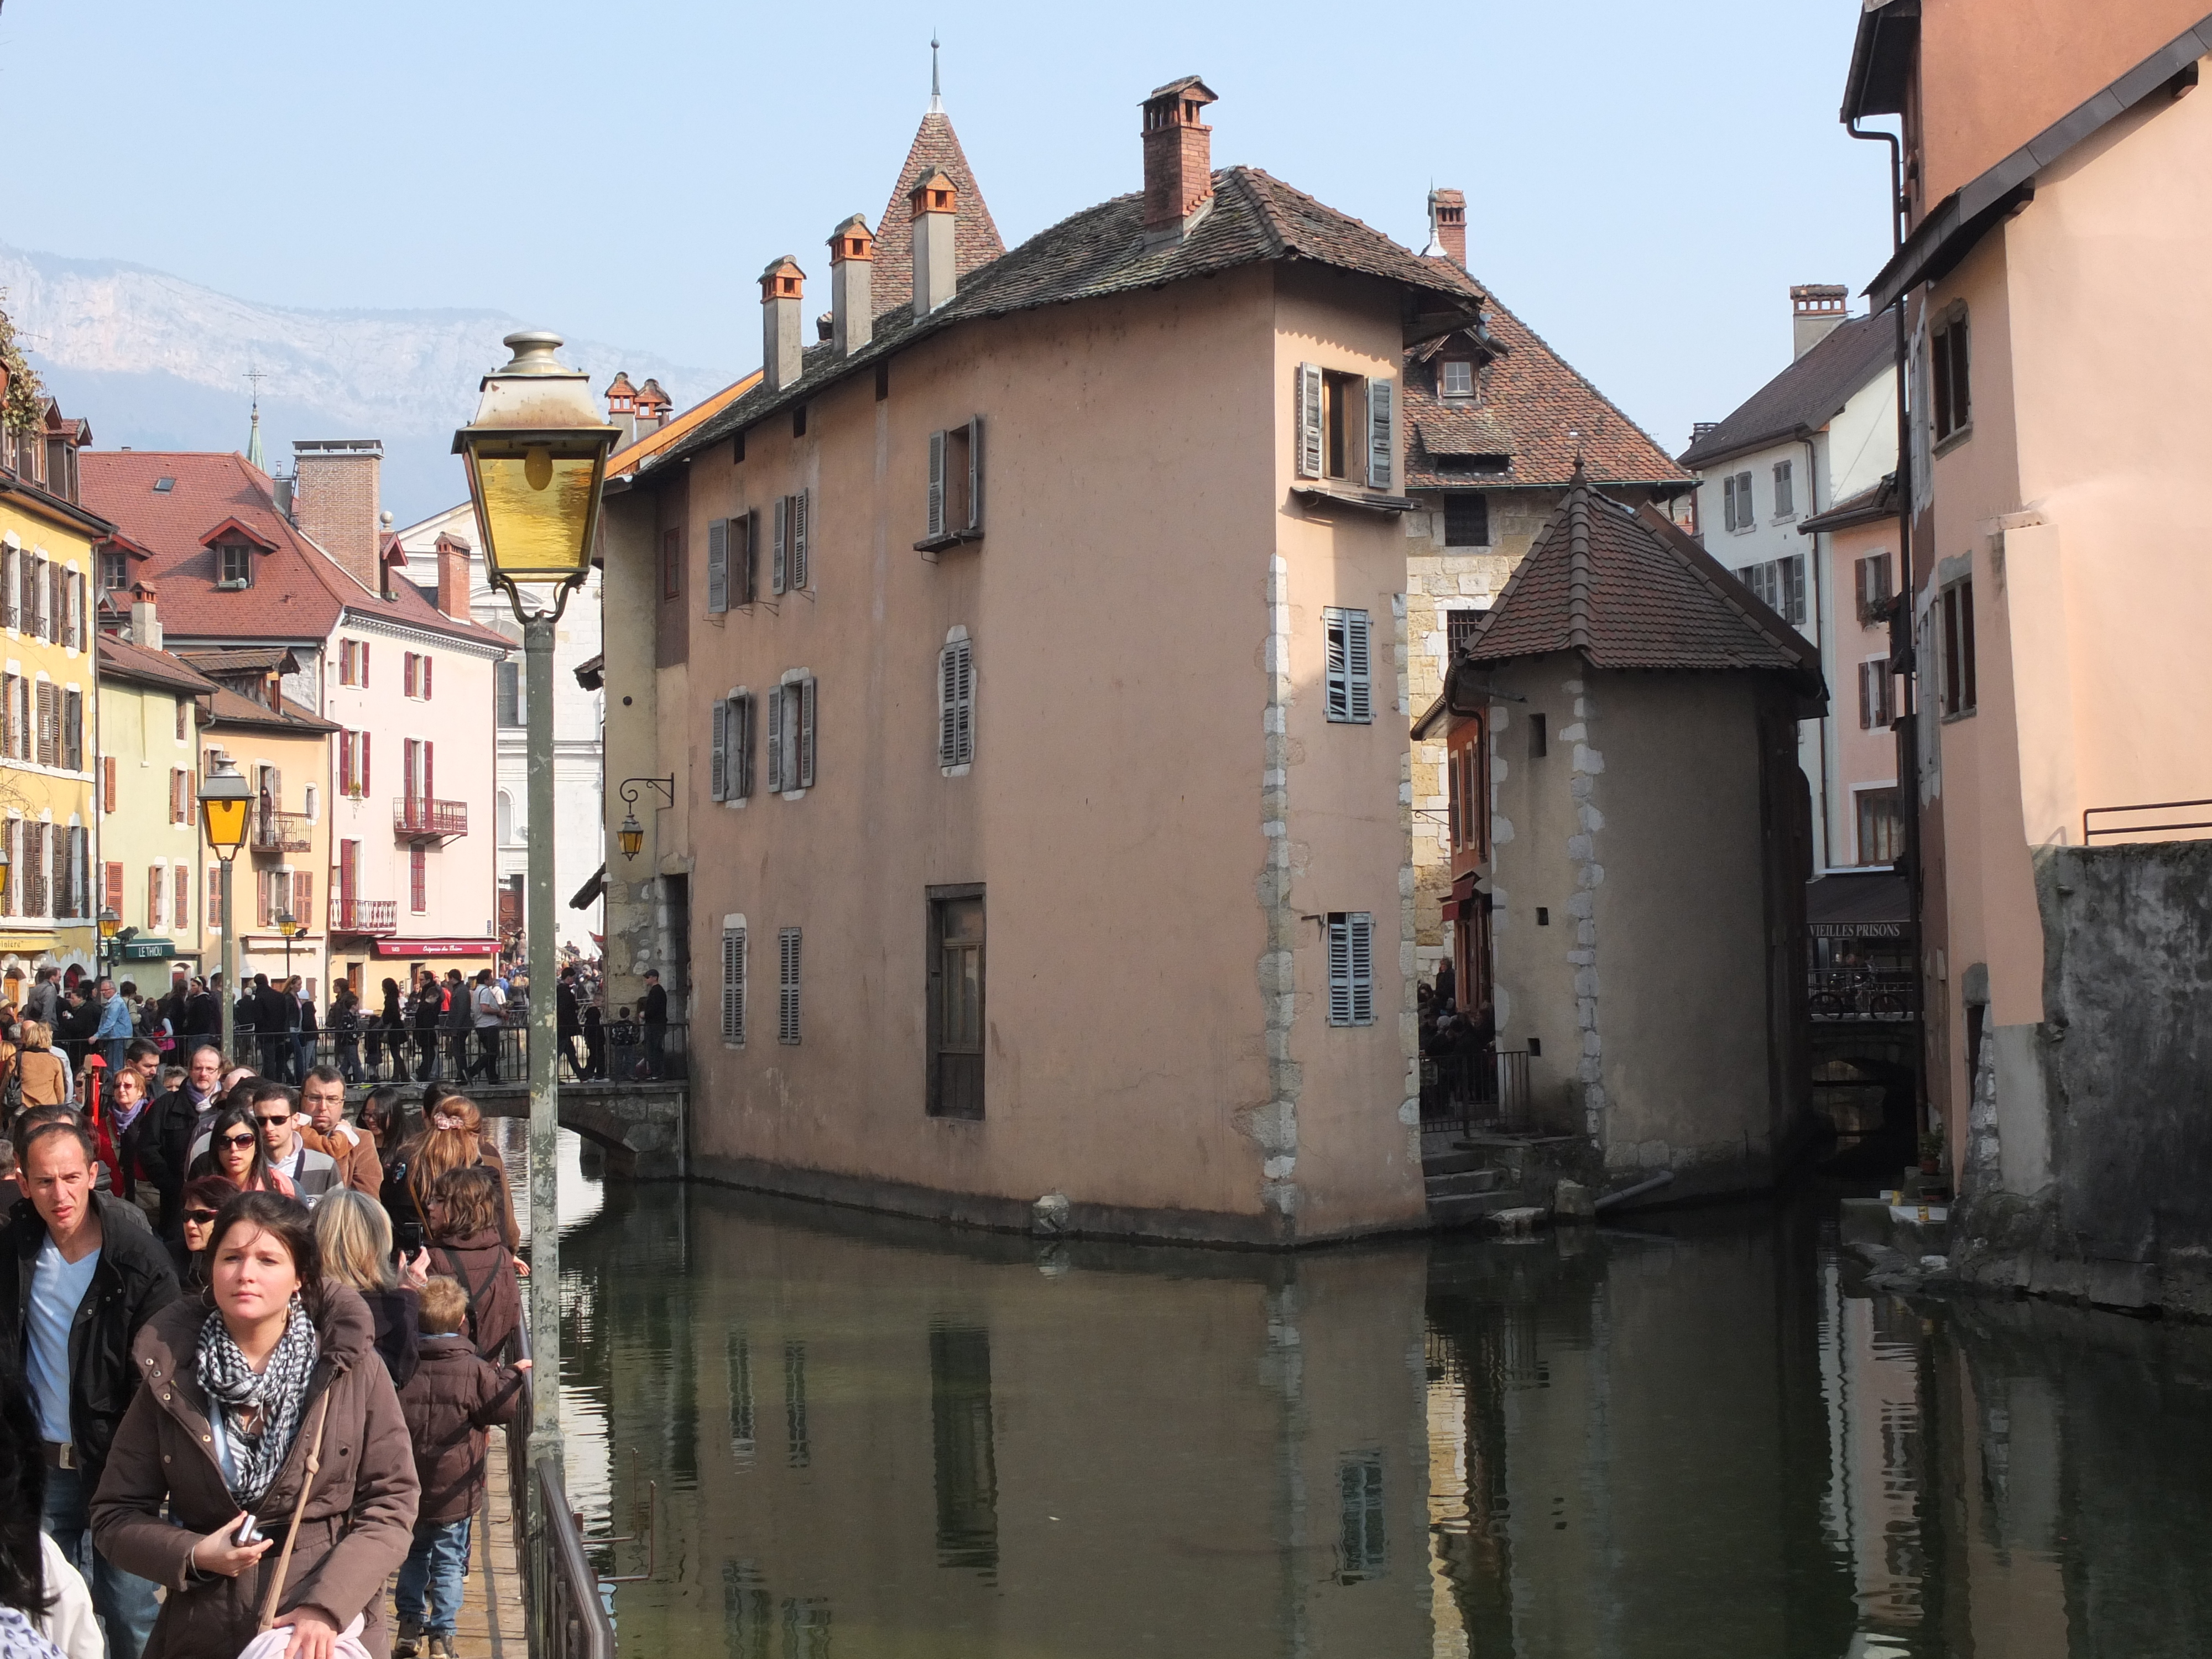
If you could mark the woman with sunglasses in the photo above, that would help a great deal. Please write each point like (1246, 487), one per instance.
(204, 1198)
(236, 1153)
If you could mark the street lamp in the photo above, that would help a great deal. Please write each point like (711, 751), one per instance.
(289, 925)
(631, 836)
(109, 921)
(223, 797)
(537, 455)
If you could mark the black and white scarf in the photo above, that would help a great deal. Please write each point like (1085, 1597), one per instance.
(278, 1392)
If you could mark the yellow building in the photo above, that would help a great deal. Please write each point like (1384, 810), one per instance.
(151, 852)
(46, 686)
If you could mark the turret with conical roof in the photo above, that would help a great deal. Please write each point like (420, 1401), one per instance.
(975, 238)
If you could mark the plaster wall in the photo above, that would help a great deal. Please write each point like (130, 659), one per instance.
(138, 730)
(1862, 757)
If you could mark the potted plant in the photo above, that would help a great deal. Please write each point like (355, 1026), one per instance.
(1932, 1153)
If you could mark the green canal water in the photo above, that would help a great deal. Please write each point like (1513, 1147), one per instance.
(875, 1438)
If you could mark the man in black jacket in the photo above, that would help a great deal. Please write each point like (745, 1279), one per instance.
(160, 1140)
(652, 1014)
(82, 1274)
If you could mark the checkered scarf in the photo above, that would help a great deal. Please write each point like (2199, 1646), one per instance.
(279, 1391)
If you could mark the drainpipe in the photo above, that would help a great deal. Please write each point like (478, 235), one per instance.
(1823, 635)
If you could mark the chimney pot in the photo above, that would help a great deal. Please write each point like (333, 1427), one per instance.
(852, 285)
(453, 576)
(622, 407)
(1816, 311)
(1178, 154)
(334, 499)
(145, 621)
(1448, 225)
(782, 292)
(935, 203)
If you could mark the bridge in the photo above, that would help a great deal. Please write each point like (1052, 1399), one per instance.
(630, 1131)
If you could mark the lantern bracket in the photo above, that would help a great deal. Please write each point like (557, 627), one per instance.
(628, 787)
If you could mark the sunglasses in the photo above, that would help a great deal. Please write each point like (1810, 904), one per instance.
(246, 1139)
(200, 1217)
(272, 1117)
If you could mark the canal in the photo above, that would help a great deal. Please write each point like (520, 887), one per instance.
(874, 1437)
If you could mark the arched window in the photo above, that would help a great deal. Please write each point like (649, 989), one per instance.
(503, 819)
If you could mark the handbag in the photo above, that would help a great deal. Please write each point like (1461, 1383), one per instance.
(299, 1510)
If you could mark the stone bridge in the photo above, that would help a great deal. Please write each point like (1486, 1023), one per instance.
(631, 1131)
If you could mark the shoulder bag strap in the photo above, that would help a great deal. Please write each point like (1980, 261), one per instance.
(300, 1509)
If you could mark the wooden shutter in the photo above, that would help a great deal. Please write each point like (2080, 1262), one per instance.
(1351, 969)
(787, 985)
(775, 740)
(112, 888)
(956, 736)
(1866, 683)
(1340, 970)
(749, 564)
(719, 769)
(107, 788)
(1382, 433)
(153, 891)
(1312, 450)
(975, 475)
(47, 723)
(799, 549)
(211, 912)
(303, 899)
(718, 567)
(783, 538)
(947, 672)
(733, 986)
(1357, 677)
(805, 688)
(73, 731)
(936, 517)
(262, 880)
(361, 666)
(10, 557)
(739, 733)
(407, 674)
(181, 917)
(425, 679)
(1337, 692)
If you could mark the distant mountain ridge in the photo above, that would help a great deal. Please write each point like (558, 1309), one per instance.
(157, 362)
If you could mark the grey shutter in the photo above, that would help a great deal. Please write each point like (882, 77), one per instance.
(1361, 938)
(947, 694)
(806, 733)
(737, 734)
(775, 741)
(783, 537)
(1358, 680)
(719, 769)
(787, 985)
(1382, 433)
(1340, 970)
(1337, 700)
(1311, 452)
(1746, 514)
(747, 571)
(964, 734)
(936, 517)
(975, 475)
(733, 986)
(798, 571)
(1785, 490)
(1728, 502)
(718, 567)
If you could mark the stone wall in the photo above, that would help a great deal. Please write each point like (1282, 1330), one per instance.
(2089, 1146)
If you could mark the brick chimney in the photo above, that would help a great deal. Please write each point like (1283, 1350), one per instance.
(453, 576)
(621, 408)
(1178, 154)
(852, 285)
(1448, 226)
(145, 624)
(935, 203)
(1816, 311)
(654, 407)
(334, 501)
(782, 290)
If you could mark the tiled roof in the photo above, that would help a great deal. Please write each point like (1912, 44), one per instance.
(298, 590)
(120, 659)
(974, 238)
(1870, 506)
(1804, 397)
(1629, 590)
(626, 460)
(1101, 252)
(1535, 410)
(265, 659)
(227, 709)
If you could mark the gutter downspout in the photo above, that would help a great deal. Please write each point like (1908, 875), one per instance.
(1908, 746)
(1824, 630)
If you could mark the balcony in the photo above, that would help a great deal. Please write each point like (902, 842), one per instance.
(280, 832)
(377, 917)
(418, 817)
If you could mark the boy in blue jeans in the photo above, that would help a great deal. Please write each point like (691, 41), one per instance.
(451, 1400)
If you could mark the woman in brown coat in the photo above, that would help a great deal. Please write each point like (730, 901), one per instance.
(465, 1246)
(46, 1073)
(269, 1381)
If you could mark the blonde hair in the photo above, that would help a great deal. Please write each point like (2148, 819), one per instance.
(444, 1307)
(356, 1236)
(36, 1034)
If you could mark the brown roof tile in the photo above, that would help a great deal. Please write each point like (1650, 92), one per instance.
(974, 237)
(1806, 396)
(139, 665)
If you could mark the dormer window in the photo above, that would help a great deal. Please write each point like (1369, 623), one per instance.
(1456, 378)
(233, 564)
(114, 570)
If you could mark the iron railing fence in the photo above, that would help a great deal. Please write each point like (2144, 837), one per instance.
(500, 1054)
(2134, 827)
(1860, 994)
(1486, 1089)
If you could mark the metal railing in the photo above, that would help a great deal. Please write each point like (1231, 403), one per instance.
(2117, 831)
(649, 1054)
(282, 832)
(364, 916)
(420, 816)
(560, 1599)
(1860, 994)
(1486, 1090)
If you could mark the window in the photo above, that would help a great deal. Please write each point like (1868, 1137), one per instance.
(1362, 1547)
(425, 673)
(1351, 968)
(1467, 519)
(49, 749)
(1737, 513)
(956, 1003)
(512, 714)
(312, 801)
(180, 795)
(1347, 427)
(114, 570)
(1458, 632)
(1539, 738)
(1957, 684)
(955, 485)
(718, 567)
(731, 551)
(107, 784)
(1456, 378)
(1951, 394)
(182, 917)
(1876, 709)
(183, 715)
(1881, 826)
(1874, 588)
(791, 737)
(1350, 694)
(233, 564)
(731, 771)
(418, 879)
(786, 994)
(111, 887)
(672, 563)
(733, 984)
(1780, 583)
(410, 672)
(11, 583)
(956, 702)
(1785, 491)
(788, 558)
(157, 893)
(211, 912)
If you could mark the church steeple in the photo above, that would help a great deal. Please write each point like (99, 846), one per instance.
(936, 93)
(253, 437)
(975, 238)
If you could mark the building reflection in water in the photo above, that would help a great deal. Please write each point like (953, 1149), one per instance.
(1694, 1438)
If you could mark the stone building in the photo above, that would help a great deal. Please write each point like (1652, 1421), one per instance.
(1495, 421)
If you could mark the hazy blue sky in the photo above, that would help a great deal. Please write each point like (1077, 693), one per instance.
(1644, 180)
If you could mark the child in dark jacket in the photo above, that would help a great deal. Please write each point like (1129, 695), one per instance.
(453, 1398)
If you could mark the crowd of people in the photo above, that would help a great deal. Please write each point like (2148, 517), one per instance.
(252, 1351)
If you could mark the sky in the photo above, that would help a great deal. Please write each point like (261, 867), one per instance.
(1644, 181)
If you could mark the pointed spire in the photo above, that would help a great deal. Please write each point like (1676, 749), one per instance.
(936, 93)
(253, 438)
(975, 239)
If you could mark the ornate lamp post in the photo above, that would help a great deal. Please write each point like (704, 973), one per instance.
(223, 797)
(537, 455)
(109, 921)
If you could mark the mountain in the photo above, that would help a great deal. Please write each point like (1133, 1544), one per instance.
(157, 362)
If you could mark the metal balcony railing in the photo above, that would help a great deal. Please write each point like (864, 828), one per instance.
(282, 832)
(418, 817)
(365, 916)
(1860, 994)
